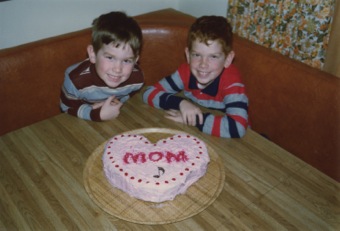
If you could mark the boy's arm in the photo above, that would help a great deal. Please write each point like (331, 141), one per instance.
(233, 122)
(73, 105)
(161, 95)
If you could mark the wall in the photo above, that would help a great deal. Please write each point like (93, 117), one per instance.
(198, 8)
(23, 21)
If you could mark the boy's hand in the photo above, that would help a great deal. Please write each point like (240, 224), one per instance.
(189, 113)
(110, 109)
(174, 115)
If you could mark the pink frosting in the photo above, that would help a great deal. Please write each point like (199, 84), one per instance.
(154, 172)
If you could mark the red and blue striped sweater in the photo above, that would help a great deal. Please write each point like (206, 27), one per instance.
(226, 94)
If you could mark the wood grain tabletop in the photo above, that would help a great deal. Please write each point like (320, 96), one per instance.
(265, 187)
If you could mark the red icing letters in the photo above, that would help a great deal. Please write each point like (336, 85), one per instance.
(141, 157)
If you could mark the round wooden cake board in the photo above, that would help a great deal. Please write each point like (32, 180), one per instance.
(119, 204)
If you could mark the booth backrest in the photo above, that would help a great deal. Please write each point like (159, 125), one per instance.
(294, 105)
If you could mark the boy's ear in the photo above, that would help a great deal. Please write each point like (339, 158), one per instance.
(187, 54)
(229, 59)
(91, 54)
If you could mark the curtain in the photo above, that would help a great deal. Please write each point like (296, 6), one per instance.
(332, 63)
(298, 29)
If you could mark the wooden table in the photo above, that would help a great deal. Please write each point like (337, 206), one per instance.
(266, 188)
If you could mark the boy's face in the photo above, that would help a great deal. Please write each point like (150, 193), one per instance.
(113, 64)
(207, 61)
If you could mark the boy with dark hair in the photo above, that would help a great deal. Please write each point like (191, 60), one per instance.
(96, 88)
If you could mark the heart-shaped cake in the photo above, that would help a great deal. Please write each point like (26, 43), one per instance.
(154, 172)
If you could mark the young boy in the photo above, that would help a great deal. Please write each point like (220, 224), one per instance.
(209, 79)
(96, 88)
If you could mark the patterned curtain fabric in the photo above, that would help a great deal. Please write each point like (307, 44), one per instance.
(298, 29)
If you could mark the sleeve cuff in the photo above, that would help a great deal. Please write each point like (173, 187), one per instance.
(198, 125)
(95, 115)
(173, 102)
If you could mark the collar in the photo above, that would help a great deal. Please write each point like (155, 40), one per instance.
(211, 89)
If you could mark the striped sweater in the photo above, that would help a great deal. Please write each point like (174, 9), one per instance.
(226, 94)
(83, 87)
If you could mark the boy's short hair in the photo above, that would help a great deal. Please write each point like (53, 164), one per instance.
(212, 27)
(116, 28)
